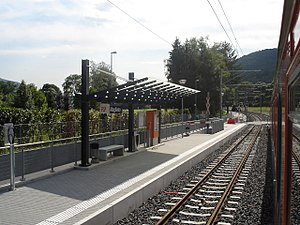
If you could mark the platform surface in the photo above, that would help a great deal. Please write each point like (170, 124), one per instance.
(71, 195)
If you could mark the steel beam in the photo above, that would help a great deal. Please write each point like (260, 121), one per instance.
(85, 114)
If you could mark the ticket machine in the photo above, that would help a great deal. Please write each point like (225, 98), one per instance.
(152, 124)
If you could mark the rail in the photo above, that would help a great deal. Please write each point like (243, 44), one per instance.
(296, 157)
(171, 212)
(229, 188)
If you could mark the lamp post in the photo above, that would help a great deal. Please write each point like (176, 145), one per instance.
(111, 60)
(111, 71)
(196, 82)
(221, 97)
(182, 82)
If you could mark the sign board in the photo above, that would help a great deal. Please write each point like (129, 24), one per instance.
(207, 105)
(141, 119)
(8, 129)
(104, 108)
(115, 109)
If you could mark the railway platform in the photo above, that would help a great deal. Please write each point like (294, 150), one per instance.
(107, 191)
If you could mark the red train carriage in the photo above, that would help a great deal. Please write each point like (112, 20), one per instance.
(285, 108)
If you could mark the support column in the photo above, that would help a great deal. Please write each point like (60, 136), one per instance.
(85, 114)
(159, 125)
(221, 100)
(131, 147)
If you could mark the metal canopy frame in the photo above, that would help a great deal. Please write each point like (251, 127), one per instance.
(144, 91)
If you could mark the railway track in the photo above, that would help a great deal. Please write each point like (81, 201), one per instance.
(212, 197)
(254, 117)
(296, 158)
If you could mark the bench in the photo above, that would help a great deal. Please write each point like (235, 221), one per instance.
(117, 150)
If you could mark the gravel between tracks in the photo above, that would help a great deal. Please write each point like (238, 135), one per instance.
(255, 206)
(149, 208)
(257, 201)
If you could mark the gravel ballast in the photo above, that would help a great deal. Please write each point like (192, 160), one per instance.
(256, 204)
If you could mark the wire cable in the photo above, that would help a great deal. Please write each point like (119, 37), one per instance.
(221, 24)
(231, 28)
(157, 35)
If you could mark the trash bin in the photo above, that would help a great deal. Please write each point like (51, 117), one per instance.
(187, 130)
(208, 127)
(94, 152)
(136, 141)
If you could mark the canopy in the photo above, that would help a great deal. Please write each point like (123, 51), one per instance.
(144, 91)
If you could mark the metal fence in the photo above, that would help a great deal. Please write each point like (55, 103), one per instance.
(45, 155)
(45, 132)
(46, 146)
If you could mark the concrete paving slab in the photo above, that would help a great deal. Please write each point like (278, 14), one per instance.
(109, 190)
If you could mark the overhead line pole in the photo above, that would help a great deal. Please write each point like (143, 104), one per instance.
(221, 85)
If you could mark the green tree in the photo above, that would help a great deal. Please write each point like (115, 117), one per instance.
(100, 80)
(23, 97)
(71, 86)
(7, 92)
(196, 61)
(53, 95)
(39, 99)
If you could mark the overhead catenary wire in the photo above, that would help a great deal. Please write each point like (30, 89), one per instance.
(231, 28)
(221, 24)
(114, 75)
(141, 24)
(166, 41)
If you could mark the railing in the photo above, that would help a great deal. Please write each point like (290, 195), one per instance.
(45, 132)
(48, 154)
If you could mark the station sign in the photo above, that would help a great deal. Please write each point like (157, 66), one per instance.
(115, 108)
(104, 108)
(8, 130)
(141, 119)
(107, 108)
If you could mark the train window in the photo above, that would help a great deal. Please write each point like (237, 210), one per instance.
(294, 104)
(297, 95)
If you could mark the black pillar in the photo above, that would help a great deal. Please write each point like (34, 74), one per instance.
(159, 125)
(131, 147)
(85, 114)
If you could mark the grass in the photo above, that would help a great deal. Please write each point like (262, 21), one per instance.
(264, 109)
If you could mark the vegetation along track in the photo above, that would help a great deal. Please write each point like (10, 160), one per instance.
(213, 195)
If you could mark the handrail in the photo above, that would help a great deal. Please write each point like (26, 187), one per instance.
(91, 136)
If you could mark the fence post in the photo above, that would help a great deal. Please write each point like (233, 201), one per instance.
(111, 129)
(23, 166)
(75, 144)
(23, 158)
(11, 137)
(12, 167)
(51, 155)
(166, 129)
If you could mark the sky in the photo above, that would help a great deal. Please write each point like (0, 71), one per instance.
(44, 41)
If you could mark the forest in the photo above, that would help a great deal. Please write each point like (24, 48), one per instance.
(193, 60)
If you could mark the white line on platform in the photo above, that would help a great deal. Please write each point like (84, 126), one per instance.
(76, 209)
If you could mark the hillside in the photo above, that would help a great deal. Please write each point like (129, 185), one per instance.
(264, 60)
(13, 82)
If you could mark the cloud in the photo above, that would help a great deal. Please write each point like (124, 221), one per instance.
(67, 30)
(98, 21)
(104, 7)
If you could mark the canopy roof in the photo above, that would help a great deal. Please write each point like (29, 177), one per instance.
(144, 91)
